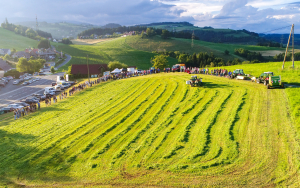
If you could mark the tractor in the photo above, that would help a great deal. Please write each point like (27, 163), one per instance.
(270, 80)
(238, 73)
(194, 81)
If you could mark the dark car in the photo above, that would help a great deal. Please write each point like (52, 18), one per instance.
(72, 83)
(53, 84)
(29, 101)
(41, 74)
(39, 96)
(34, 98)
(22, 104)
(6, 109)
(48, 95)
(2, 84)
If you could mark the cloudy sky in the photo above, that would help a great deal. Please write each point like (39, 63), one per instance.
(254, 15)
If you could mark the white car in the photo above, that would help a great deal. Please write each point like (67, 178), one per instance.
(16, 82)
(15, 106)
(30, 81)
(33, 80)
(37, 79)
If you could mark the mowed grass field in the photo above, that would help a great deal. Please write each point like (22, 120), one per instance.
(156, 131)
(10, 40)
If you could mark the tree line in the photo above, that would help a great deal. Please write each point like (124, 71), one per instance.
(251, 56)
(201, 59)
(25, 31)
(280, 57)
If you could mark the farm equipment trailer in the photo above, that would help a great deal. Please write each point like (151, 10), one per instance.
(269, 80)
(194, 81)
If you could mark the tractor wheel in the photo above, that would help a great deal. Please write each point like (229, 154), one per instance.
(268, 86)
(265, 83)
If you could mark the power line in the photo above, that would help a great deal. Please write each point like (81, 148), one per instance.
(276, 29)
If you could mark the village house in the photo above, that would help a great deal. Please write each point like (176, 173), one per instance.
(4, 67)
(5, 51)
(20, 54)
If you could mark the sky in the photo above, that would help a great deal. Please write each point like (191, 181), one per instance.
(262, 16)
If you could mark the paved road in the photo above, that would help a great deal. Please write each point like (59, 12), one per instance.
(13, 93)
(65, 62)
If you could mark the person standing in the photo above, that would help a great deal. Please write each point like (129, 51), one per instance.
(54, 98)
(15, 114)
(23, 112)
(39, 105)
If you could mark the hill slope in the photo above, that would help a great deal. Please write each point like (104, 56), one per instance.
(156, 131)
(11, 40)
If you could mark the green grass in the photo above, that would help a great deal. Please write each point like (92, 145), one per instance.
(10, 40)
(113, 50)
(156, 131)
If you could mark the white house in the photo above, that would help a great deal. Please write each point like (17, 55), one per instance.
(5, 51)
(4, 67)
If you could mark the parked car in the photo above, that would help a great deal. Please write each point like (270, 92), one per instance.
(139, 71)
(2, 84)
(25, 83)
(22, 104)
(47, 93)
(61, 87)
(5, 80)
(10, 77)
(16, 82)
(72, 83)
(41, 74)
(30, 82)
(37, 79)
(34, 98)
(39, 96)
(7, 109)
(53, 83)
(29, 101)
(15, 106)
(33, 80)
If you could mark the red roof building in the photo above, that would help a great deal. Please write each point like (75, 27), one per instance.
(93, 68)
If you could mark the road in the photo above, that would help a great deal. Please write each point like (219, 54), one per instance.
(65, 62)
(13, 93)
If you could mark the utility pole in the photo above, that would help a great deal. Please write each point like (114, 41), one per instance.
(36, 24)
(293, 45)
(287, 47)
(87, 62)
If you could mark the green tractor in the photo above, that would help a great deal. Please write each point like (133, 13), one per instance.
(194, 81)
(269, 80)
(238, 73)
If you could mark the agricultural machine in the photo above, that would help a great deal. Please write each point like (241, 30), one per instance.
(269, 80)
(178, 67)
(194, 81)
(238, 74)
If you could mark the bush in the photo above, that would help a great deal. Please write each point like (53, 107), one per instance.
(13, 73)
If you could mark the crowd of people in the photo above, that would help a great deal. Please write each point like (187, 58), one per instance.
(21, 112)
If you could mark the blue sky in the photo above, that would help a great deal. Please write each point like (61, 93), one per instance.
(253, 15)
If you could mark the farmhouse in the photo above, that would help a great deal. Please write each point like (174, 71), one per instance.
(94, 69)
(5, 51)
(20, 54)
(4, 67)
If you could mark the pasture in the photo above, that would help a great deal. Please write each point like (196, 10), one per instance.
(156, 131)
(10, 40)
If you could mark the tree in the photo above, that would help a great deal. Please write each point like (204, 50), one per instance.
(165, 34)
(182, 58)
(160, 61)
(44, 43)
(13, 51)
(150, 32)
(30, 33)
(226, 52)
(6, 57)
(52, 70)
(116, 64)
(66, 41)
(23, 65)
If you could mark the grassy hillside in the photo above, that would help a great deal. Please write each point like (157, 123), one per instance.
(107, 51)
(11, 40)
(184, 45)
(156, 131)
(135, 51)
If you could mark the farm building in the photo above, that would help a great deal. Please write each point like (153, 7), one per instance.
(5, 51)
(4, 67)
(94, 69)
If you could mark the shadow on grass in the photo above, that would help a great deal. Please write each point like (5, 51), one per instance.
(15, 166)
(214, 85)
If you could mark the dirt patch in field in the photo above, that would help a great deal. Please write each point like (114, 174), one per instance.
(88, 41)
(274, 52)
